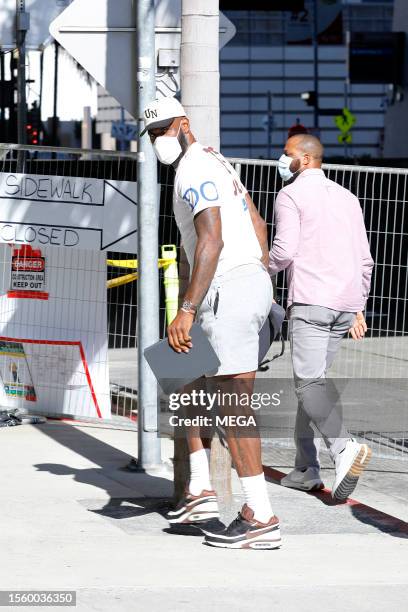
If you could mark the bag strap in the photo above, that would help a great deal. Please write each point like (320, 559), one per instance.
(262, 366)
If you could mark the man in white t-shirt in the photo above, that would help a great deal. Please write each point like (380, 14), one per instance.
(230, 293)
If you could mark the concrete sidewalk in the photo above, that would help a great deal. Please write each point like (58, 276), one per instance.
(73, 519)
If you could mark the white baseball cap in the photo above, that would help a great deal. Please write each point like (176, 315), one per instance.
(161, 113)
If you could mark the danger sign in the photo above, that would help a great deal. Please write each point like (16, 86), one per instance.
(28, 279)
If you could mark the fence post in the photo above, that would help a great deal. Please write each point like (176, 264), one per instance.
(148, 245)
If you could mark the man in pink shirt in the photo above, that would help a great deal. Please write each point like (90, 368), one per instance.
(322, 243)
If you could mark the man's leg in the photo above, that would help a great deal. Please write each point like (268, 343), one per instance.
(199, 503)
(307, 443)
(317, 333)
(350, 457)
(307, 464)
(256, 526)
(235, 316)
(244, 443)
(311, 329)
(338, 329)
(199, 450)
(306, 475)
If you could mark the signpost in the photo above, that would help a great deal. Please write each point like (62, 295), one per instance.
(42, 12)
(101, 36)
(68, 212)
(123, 131)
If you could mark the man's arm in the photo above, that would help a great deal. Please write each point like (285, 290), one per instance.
(209, 246)
(367, 261)
(260, 228)
(359, 327)
(286, 241)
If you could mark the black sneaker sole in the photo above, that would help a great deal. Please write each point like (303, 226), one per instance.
(196, 529)
(266, 540)
(261, 542)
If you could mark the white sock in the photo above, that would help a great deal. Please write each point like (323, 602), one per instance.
(256, 497)
(199, 471)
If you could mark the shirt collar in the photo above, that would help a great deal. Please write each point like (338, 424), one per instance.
(312, 171)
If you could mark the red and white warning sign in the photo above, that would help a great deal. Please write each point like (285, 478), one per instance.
(28, 277)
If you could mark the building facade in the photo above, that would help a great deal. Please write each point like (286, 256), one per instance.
(270, 63)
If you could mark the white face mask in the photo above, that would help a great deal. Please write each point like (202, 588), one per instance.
(284, 167)
(167, 149)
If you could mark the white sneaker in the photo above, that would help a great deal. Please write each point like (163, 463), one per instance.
(307, 479)
(350, 464)
(195, 509)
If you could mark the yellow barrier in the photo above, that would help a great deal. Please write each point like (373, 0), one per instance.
(170, 280)
(121, 280)
(132, 263)
(168, 262)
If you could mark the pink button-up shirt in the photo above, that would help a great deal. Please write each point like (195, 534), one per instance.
(321, 240)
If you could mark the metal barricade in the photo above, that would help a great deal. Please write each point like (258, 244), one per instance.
(382, 193)
(120, 301)
(383, 354)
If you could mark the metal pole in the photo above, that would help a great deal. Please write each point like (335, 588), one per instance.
(86, 129)
(316, 61)
(22, 25)
(148, 245)
(2, 99)
(55, 110)
(41, 77)
(122, 141)
(347, 81)
(270, 124)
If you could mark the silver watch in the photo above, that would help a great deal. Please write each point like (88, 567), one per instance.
(188, 306)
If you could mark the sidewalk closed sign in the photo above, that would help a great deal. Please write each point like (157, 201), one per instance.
(28, 277)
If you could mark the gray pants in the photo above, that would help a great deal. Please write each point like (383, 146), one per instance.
(315, 335)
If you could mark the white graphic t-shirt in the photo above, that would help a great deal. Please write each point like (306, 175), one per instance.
(204, 178)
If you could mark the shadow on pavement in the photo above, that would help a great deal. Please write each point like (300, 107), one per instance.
(109, 459)
(83, 444)
(385, 523)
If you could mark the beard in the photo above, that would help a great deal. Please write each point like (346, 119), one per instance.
(295, 166)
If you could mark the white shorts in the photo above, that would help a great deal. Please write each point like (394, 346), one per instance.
(232, 314)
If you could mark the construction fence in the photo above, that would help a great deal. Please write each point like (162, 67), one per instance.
(82, 276)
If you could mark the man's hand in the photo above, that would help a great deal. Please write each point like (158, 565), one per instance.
(179, 332)
(359, 327)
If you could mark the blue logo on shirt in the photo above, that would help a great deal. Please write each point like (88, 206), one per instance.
(191, 197)
(208, 192)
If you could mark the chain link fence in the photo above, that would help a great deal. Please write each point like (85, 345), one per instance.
(382, 193)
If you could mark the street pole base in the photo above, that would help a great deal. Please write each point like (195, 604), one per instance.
(134, 466)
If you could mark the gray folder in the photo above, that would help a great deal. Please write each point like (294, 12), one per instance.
(174, 370)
